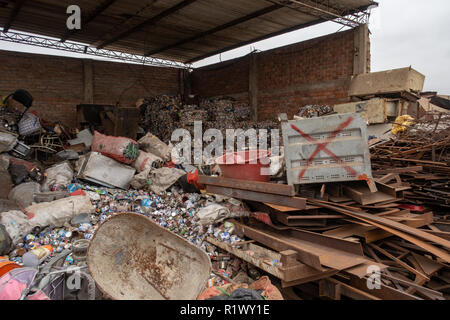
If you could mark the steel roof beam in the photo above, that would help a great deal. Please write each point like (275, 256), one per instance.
(217, 29)
(274, 34)
(13, 15)
(147, 22)
(68, 46)
(105, 5)
(317, 10)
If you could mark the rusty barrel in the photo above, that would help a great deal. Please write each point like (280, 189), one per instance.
(131, 257)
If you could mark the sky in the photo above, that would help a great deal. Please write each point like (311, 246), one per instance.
(403, 33)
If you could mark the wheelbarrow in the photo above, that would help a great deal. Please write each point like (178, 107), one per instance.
(131, 257)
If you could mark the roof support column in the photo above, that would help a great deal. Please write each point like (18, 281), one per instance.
(88, 81)
(253, 85)
(361, 59)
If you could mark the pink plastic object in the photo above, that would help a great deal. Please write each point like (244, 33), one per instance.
(245, 165)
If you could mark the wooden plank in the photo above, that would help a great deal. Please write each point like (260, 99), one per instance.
(264, 187)
(295, 202)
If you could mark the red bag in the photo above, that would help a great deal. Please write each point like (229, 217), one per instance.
(118, 148)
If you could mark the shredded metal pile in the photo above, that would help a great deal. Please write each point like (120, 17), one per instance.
(163, 114)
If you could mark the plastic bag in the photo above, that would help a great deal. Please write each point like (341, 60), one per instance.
(29, 124)
(402, 124)
(58, 212)
(60, 174)
(150, 143)
(23, 194)
(157, 180)
(122, 149)
(53, 214)
(147, 160)
(16, 224)
(212, 214)
(7, 141)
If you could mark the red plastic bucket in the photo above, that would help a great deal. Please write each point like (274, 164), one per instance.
(242, 165)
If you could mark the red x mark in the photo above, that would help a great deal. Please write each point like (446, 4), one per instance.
(323, 147)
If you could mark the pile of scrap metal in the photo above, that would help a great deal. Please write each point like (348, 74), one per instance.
(25, 134)
(161, 115)
(339, 229)
(420, 159)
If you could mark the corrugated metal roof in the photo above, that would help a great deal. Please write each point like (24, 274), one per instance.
(178, 30)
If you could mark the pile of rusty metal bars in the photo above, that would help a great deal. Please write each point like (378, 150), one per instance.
(334, 240)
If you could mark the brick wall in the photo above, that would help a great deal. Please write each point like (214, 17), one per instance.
(229, 78)
(57, 83)
(316, 71)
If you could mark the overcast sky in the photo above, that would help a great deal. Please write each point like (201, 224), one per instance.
(404, 33)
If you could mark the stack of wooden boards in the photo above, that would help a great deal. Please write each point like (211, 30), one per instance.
(329, 242)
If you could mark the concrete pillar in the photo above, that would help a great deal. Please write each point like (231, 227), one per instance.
(361, 59)
(88, 81)
(185, 82)
(253, 85)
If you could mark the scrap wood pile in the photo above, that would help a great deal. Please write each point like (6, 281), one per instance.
(421, 157)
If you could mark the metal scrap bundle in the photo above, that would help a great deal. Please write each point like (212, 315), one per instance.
(163, 114)
(422, 157)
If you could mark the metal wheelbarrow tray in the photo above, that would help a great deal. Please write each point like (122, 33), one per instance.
(131, 257)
